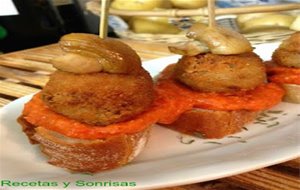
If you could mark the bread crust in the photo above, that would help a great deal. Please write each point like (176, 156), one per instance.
(212, 124)
(81, 155)
(292, 93)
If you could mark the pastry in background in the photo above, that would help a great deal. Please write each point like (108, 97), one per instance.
(191, 4)
(140, 5)
(152, 25)
(256, 22)
(284, 68)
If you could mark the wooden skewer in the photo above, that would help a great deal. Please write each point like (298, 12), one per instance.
(104, 19)
(201, 12)
(211, 13)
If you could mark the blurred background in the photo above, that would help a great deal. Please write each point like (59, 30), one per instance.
(31, 23)
(40, 22)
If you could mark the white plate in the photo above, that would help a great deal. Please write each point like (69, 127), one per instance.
(166, 161)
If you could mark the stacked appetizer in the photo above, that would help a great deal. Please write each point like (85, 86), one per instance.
(218, 85)
(97, 108)
(284, 69)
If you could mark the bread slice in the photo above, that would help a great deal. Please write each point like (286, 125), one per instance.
(212, 124)
(82, 155)
(292, 93)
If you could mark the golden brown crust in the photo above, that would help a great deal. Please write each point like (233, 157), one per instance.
(292, 43)
(288, 53)
(212, 124)
(286, 58)
(99, 98)
(28, 129)
(221, 73)
(292, 93)
(86, 155)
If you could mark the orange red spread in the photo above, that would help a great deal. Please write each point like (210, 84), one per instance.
(172, 100)
(285, 79)
(180, 96)
(38, 114)
(283, 75)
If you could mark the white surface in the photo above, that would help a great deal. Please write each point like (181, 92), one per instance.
(8, 8)
(165, 161)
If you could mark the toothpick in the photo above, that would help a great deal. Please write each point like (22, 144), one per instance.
(104, 18)
(211, 13)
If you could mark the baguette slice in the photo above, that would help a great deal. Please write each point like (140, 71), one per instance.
(80, 155)
(292, 93)
(212, 124)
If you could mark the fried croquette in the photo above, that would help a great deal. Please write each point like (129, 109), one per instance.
(286, 58)
(292, 43)
(99, 98)
(221, 73)
(288, 54)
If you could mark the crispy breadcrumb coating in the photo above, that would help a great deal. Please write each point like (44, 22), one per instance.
(288, 53)
(221, 73)
(99, 98)
(286, 58)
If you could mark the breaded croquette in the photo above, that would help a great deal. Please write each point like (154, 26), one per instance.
(288, 54)
(221, 73)
(99, 98)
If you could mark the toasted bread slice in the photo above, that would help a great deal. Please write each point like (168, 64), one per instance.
(81, 155)
(212, 124)
(292, 93)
